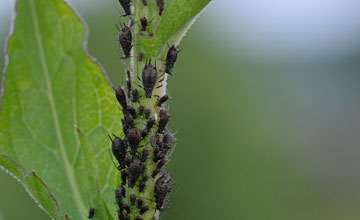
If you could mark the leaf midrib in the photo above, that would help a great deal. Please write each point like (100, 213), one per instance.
(68, 168)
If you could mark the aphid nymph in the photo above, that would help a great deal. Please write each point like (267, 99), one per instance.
(91, 213)
(149, 78)
(144, 23)
(126, 6)
(160, 4)
(125, 39)
(171, 58)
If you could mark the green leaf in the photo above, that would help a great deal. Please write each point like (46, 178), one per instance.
(54, 90)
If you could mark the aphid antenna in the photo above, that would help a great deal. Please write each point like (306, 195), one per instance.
(146, 198)
(115, 6)
(116, 104)
(112, 159)
(117, 27)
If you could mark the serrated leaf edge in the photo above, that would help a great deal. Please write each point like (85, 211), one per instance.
(27, 175)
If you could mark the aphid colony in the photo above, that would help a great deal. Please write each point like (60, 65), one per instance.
(144, 149)
(141, 155)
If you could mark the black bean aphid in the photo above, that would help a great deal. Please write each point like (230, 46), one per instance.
(168, 140)
(164, 118)
(143, 183)
(147, 113)
(138, 218)
(119, 151)
(150, 123)
(122, 216)
(145, 154)
(141, 110)
(162, 187)
(144, 23)
(144, 133)
(135, 95)
(144, 2)
(160, 4)
(140, 203)
(126, 6)
(144, 209)
(162, 100)
(128, 122)
(126, 207)
(133, 139)
(91, 213)
(132, 112)
(121, 97)
(171, 58)
(125, 39)
(149, 78)
(136, 169)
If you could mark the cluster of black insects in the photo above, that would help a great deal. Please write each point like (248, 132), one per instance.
(144, 150)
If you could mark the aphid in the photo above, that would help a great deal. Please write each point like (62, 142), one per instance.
(136, 169)
(121, 97)
(143, 183)
(144, 209)
(133, 139)
(158, 167)
(122, 216)
(147, 113)
(118, 197)
(161, 163)
(132, 111)
(141, 110)
(128, 81)
(164, 118)
(125, 39)
(156, 172)
(160, 4)
(171, 58)
(91, 213)
(158, 154)
(162, 100)
(119, 150)
(153, 141)
(144, 23)
(144, 2)
(132, 199)
(135, 95)
(168, 139)
(162, 187)
(140, 202)
(145, 154)
(138, 218)
(126, 207)
(124, 175)
(149, 78)
(129, 122)
(126, 6)
(150, 123)
(124, 126)
(140, 57)
(144, 133)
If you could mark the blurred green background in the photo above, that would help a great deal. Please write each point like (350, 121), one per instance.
(265, 103)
